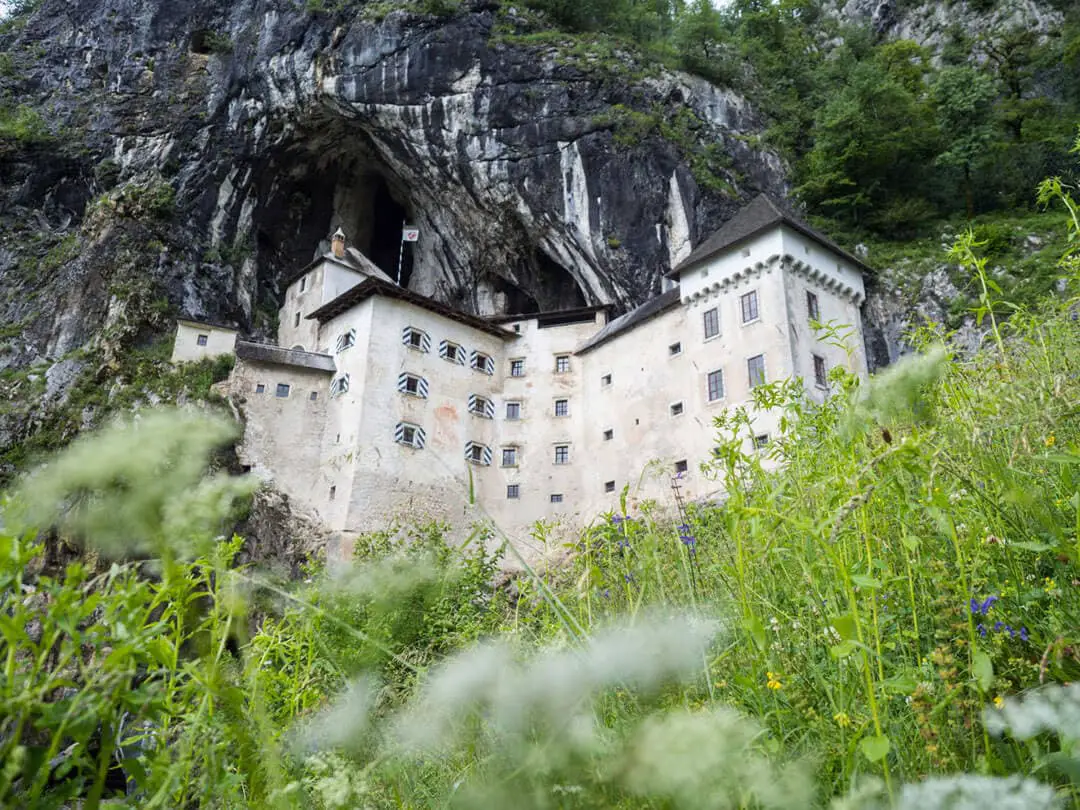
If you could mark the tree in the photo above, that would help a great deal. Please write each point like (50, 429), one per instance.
(963, 104)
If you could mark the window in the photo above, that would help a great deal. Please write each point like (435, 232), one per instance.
(756, 366)
(509, 456)
(303, 286)
(609, 434)
(513, 410)
(609, 486)
(481, 406)
(562, 407)
(813, 312)
(412, 385)
(513, 491)
(749, 304)
(202, 339)
(556, 497)
(345, 340)
(676, 409)
(715, 385)
(746, 251)
(562, 454)
(260, 388)
(314, 395)
(711, 322)
(820, 376)
(333, 492)
(409, 435)
(681, 467)
(674, 349)
(481, 362)
(296, 319)
(517, 368)
(476, 453)
(605, 381)
(339, 385)
(562, 364)
(761, 441)
(451, 352)
(282, 390)
(416, 339)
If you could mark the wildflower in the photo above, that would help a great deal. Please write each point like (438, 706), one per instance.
(956, 497)
(982, 629)
(998, 702)
(1049, 440)
(689, 541)
(623, 544)
(992, 540)
(983, 607)
(998, 626)
(683, 528)
(1050, 587)
(616, 519)
(842, 720)
(772, 681)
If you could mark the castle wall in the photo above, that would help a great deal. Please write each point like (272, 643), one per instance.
(218, 341)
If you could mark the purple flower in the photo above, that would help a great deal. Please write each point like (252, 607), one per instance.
(624, 544)
(998, 626)
(982, 608)
(689, 541)
(1023, 634)
(628, 577)
(683, 529)
(606, 593)
(616, 519)
(981, 628)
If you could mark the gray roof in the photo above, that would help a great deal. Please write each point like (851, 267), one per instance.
(352, 260)
(762, 213)
(634, 318)
(264, 353)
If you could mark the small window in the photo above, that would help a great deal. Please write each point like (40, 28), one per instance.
(451, 352)
(821, 377)
(282, 390)
(681, 467)
(201, 340)
(746, 251)
(481, 406)
(409, 435)
(517, 368)
(509, 457)
(756, 368)
(339, 385)
(562, 364)
(476, 453)
(413, 385)
(517, 328)
(333, 492)
(260, 388)
(416, 339)
(556, 497)
(609, 486)
(711, 322)
(296, 319)
(761, 441)
(749, 304)
(481, 362)
(676, 409)
(314, 395)
(605, 381)
(562, 454)
(674, 349)
(562, 407)
(345, 340)
(303, 286)
(715, 385)
(813, 311)
(513, 491)
(513, 410)
(609, 434)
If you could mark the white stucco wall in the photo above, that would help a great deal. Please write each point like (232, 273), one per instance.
(324, 282)
(186, 348)
(720, 268)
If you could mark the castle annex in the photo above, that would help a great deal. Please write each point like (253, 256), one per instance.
(378, 402)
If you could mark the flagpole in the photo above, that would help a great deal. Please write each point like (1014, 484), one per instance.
(401, 251)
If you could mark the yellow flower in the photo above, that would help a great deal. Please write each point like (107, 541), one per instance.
(1049, 440)
(772, 680)
(775, 685)
(998, 702)
(842, 720)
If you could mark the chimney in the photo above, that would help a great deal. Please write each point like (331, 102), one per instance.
(337, 244)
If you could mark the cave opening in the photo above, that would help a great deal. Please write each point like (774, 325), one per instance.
(559, 288)
(384, 244)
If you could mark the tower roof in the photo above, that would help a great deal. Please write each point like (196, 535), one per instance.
(761, 214)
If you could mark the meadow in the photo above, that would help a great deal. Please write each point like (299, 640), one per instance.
(887, 618)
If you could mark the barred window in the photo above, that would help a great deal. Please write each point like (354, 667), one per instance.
(562, 454)
(676, 409)
(562, 364)
(513, 491)
(517, 368)
(202, 340)
(562, 407)
(282, 390)
(556, 497)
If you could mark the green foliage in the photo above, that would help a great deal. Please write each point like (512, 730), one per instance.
(23, 125)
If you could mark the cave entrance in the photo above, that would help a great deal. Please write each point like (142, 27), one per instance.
(555, 284)
(384, 243)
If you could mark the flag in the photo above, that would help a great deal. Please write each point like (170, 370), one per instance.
(410, 234)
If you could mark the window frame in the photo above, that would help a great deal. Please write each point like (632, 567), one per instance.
(751, 297)
(719, 374)
(609, 486)
(676, 409)
(682, 467)
(813, 306)
(485, 367)
(286, 387)
(562, 360)
(555, 497)
(562, 454)
(750, 374)
(506, 413)
(821, 371)
(605, 380)
(418, 436)
(339, 385)
(346, 340)
(421, 344)
(202, 340)
(482, 406)
(675, 349)
(563, 404)
(511, 453)
(513, 492)
(608, 434)
(715, 323)
(478, 453)
(517, 367)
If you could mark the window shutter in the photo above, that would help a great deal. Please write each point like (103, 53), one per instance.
(459, 354)
(340, 385)
(420, 438)
(422, 388)
(418, 435)
(425, 340)
(472, 403)
(421, 385)
(399, 432)
(487, 456)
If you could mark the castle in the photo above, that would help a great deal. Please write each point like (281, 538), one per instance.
(379, 402)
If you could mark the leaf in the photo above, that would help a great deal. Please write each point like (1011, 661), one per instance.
(845, 626)
(844, 648)
(867, 582)
(983, 670)
(910, 542)
(875, 749)
(1067, 766)
(902, 684)
(757, 631)
(1030, 545)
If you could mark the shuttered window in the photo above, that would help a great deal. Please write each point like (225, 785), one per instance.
(451, 352)
(481, 362)
(409, 435)
(345, 340)
(481, 406)
(413, 385)
(416, 339)
(339, 385)
(476, 453)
